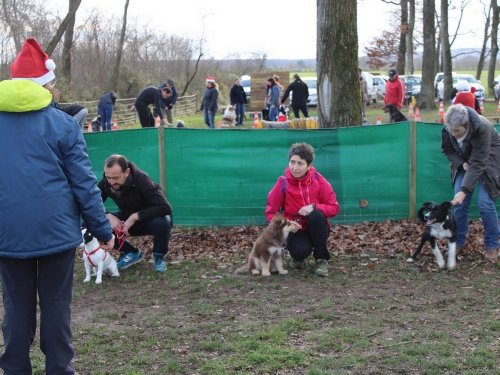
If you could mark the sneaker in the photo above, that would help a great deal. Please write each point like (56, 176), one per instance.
(298, 264)
(321, 268)
(491, 255)
(159, 263)
(129, 259)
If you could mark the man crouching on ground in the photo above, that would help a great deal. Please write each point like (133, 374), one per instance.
(144, 210)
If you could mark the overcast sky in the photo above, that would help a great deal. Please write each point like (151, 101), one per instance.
(283, 29)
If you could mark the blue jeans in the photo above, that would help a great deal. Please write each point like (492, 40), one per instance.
(240, 113)
(209, 118)
(159, 227)
(50, 278)
(487, 210)
(273, 113)
(106, 112)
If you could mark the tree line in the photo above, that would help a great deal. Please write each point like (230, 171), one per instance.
(101, 54)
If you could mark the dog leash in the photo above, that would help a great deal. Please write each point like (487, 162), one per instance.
(120, 236)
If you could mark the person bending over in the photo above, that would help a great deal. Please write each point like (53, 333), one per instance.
(143, 210)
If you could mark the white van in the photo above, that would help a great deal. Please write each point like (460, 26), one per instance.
(246, 83)
(372, 89)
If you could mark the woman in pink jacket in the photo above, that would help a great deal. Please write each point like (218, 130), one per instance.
(307, 198)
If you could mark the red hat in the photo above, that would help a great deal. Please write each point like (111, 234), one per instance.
(210, 79)
(33, 63)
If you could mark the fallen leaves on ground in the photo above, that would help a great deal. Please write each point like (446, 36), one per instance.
(366, 239)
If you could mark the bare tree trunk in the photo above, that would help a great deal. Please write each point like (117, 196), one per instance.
(190, 78)
(119, 52)
(14, 22)
(409, 37)
(400, 67)
(339, 94)
(426, 97)
(494, 46)
(486, 36)
(446, 52)
(75, 4)
(67, 46)
(438, 62)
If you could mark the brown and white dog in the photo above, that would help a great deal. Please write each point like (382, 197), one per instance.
(267, 252)
(229, 117)
(96, 258)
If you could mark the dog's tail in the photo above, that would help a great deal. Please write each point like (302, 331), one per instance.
(243, 269)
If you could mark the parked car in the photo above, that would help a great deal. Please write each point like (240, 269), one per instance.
(372, 89)
(246, 83)
(412, 82)
(479, 93)
(379, 84)
(496, 83)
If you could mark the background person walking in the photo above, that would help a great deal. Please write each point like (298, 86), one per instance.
(300, 93)
(209, 102)
(238, 99)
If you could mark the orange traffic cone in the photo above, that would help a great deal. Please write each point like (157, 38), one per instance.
(498, 108)
(410, 111)
(378, 120)
(255, 120)
(441, 111)
(115, 125)
(417, 115)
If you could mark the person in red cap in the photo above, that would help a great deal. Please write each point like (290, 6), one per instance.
(46, 186)
(209, 102)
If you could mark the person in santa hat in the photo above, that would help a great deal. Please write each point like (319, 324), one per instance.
(46, 185)
(209, 102)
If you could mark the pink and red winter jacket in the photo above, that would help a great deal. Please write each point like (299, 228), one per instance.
(294, 193)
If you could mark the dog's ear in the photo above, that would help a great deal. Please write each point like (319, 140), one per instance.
(446, 205)
(421, 213)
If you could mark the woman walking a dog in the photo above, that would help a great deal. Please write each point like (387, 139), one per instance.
(304, 196)
(46, 185)
(472, 146)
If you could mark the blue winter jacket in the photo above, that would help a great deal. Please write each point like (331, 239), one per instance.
(46, 180)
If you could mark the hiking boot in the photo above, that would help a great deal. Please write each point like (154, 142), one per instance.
(321, 268)
(298, 264)
(491, 255)
(159, 262)
(129, 259)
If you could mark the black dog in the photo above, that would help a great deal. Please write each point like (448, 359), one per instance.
(440, 225)
(396, 115)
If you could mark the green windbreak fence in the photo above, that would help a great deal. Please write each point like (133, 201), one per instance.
(222, 176)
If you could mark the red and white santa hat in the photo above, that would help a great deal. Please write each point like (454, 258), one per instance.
(33, 63)
(210, 79)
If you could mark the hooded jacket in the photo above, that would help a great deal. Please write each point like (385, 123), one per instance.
(290, 194)
(481, 150)
(46, 178)
(395, 92)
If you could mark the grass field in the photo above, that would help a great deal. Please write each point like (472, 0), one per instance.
(370, 316)
(372, 111)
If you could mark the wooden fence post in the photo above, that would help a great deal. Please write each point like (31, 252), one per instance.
(161, 159)
(412, 198)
